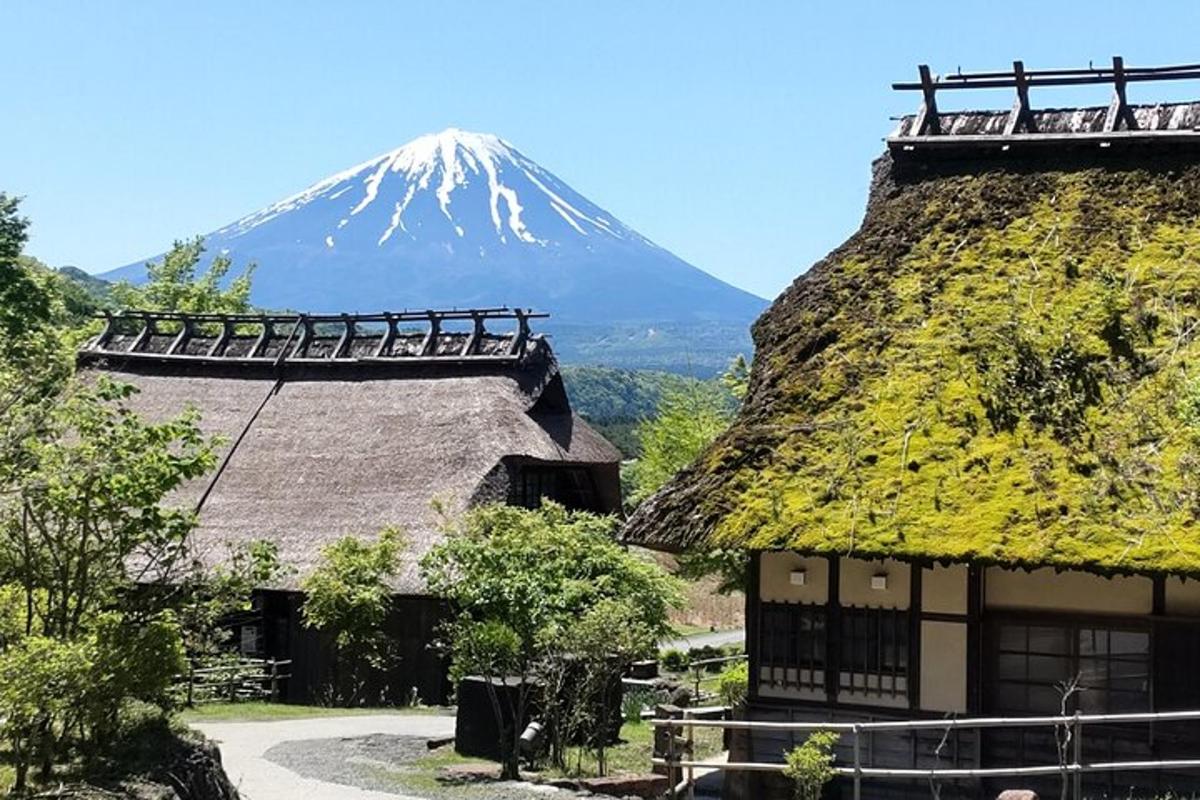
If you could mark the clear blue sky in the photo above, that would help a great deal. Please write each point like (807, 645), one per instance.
(738, 135)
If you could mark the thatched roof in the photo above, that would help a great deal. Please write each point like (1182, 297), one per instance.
(316, 451)
(1000, 366)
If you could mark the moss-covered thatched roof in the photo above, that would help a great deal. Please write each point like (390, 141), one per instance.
(1002, 365)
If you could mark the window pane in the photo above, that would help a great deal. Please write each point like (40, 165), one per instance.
(1124, 643)
(1049, 669)
(1052, 641)
(1093, 642)
(1013, 638)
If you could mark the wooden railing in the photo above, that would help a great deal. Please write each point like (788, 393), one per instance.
(245, 679)
(1070, 729)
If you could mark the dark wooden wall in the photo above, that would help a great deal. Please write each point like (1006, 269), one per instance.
(412, 624)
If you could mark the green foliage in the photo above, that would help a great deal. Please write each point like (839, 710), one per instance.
(729, 564)
(131, 659)
(674, 660)
(174, 284)
(616, 401)
(581, 671)
(350, 595)
(84, 520)
(518, 579)
(733, 684)
(206, 596)
(40, 686)
(534, 568)
(82, 524)
(810, 765)
(736, 379)
(686, 423)
(608, 393)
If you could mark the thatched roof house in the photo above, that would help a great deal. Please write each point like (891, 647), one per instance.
(967, 466)
(347, 424)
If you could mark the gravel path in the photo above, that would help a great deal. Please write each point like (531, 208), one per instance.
(389, 764)
(347, 758)
(244, 745)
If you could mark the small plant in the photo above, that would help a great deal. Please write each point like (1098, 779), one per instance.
(810, 766)
(674, 660)
(734, 684)
(633, 703)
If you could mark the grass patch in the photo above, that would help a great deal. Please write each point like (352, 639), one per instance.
(631, 756)
(265, 712)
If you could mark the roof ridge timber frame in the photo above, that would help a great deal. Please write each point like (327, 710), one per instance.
(277, 339)
(1022, 127)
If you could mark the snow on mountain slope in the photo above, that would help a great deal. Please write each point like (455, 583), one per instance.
(457, 219)
(447, 162)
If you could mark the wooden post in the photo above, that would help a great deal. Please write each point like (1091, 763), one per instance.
(1119, 110)
(857, 765)
(672, 775)
(233, 685)
(927, 121)
(191, 683)
(1077, 729)
(274, 680)
(1021, 116)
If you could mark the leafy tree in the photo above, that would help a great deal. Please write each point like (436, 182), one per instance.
(687, 422)
(82, 522)
(350, 596)
(86, 504)
(581, 675)
(515, 577)
(175, 285)
(737, 377)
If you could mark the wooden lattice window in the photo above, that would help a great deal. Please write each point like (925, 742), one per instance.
(874, 651)
(793, 645)
(1032, 661)
(573, 487)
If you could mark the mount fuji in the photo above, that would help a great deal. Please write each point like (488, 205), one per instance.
(459, 219)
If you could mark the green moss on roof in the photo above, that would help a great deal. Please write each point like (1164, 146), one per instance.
(998, 367)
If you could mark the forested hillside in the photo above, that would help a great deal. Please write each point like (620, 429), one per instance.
(615, 400)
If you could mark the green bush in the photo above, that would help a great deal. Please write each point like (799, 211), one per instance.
(734, 684)
(810, 766)
(674, 660)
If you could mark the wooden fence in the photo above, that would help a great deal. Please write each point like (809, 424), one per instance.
(1074, 767)
(244, 679)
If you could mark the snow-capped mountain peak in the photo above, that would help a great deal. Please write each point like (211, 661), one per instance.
(460, 219)
(482, 188)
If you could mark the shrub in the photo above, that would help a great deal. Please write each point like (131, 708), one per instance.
(674, 660)
(734, 684)
(810, 766)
